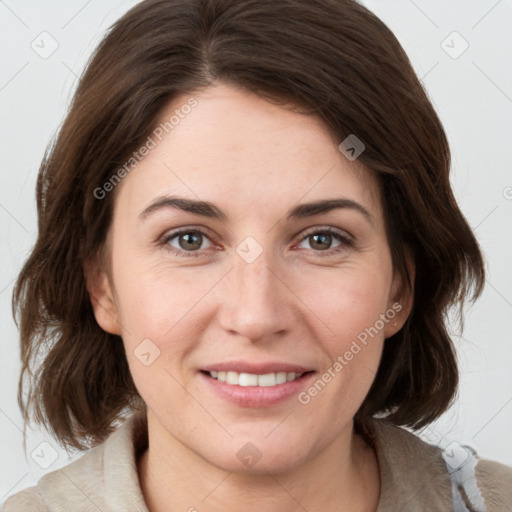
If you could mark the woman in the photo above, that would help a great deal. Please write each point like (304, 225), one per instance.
(247, 247)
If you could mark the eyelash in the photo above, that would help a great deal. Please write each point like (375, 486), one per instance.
(345, 241)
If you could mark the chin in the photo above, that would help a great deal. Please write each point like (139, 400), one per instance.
(263, 456)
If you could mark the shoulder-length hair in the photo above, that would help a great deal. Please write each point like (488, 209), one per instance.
(335, 60)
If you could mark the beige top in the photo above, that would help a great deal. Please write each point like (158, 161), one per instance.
(414, 477)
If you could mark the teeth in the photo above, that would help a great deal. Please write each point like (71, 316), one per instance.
(249, 379)
(269, 379)
(232, 378)
(281, 377)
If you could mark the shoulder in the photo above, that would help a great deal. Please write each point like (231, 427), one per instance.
(453, 471)
(60, 487)
(495, 482)
(103, 478)
(27, 500)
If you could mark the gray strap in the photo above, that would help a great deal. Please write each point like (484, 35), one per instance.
(461, 462)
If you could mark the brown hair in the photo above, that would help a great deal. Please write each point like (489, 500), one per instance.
(333, 58)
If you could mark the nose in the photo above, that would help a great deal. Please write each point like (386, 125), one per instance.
(256, 303)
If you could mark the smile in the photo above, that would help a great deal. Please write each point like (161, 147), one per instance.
(259, 389)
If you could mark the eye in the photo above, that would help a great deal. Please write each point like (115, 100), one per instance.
(186, 242)
(320, 240)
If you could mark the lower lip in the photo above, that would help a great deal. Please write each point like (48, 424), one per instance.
(257, 396)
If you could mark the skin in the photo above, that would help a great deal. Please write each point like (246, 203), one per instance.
(255, 161)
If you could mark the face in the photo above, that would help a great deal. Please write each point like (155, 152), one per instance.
(290, 304)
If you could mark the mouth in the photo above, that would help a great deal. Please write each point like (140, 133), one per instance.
(256, 386)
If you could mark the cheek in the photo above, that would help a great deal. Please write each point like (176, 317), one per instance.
(348, 300)
(351, 303)
(158, 309)
(165, 305)
(153, 295)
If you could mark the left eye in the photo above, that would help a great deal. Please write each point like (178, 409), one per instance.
(188, 241)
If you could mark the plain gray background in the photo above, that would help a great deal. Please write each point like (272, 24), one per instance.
(462, 51)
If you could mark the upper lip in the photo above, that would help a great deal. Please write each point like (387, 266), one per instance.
(255, 368)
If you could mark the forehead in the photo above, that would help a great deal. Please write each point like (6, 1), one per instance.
(234, 147)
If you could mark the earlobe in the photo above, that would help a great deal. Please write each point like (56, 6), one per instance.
(102, 299)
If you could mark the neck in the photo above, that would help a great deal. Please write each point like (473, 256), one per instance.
(344, 476)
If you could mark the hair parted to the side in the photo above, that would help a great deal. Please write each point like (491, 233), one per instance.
(332, 58)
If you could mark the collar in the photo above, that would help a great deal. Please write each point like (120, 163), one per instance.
(412, 472)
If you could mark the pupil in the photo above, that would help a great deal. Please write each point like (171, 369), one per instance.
(324, 238)
(191, 240)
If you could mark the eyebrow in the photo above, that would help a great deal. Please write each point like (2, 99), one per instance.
(207, 209)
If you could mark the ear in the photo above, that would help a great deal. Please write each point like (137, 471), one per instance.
(401, 298)
(100, 292)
